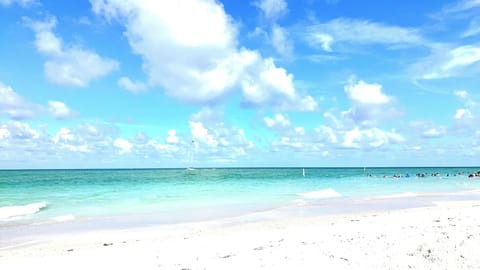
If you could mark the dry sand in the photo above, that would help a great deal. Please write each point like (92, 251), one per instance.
(446, 236)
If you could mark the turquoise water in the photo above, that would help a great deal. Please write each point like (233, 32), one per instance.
(47, 196)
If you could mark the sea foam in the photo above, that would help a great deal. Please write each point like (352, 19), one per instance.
(21, 210)
(398, 195)
(64, 218)
(320, 194)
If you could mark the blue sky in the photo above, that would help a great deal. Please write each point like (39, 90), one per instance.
(206, 83)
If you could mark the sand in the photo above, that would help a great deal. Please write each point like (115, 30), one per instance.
(445, 236)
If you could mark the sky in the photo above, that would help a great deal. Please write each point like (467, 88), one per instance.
(258, 83)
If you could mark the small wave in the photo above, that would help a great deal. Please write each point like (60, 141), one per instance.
(320, 194)
(64, 218)
(398, 195)
(299, 202)
(21, 210)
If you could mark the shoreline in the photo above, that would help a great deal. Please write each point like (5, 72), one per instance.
(445, 235)
(302, 208)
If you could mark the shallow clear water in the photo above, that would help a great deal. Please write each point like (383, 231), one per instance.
(48, 196)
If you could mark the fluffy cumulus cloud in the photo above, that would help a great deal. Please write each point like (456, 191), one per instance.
(90, 144)
(447, 62)
(370, 138)
(189, 49)
(333, 136)
(213, 139)
(172, 137)
(355, 31)
(273, 86)
(462, 94)
(134, 87)
(366, 94)
(18, 108)
(123, 145)
(208, 139)
(466, 118)
(66, 139)
(359, 127)
(67, 65)
(21, 142)
(272, 9)
(15, 106)
(462, 114)
(60, 110)
(369, 103)
(15, 130)
(279, 121)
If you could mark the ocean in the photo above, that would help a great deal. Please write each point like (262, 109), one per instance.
(133, 197)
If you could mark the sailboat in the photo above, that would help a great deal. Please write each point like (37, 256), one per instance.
(303, 172)
(190, 156)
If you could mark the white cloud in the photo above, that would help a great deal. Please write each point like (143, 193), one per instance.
(19, 131)
(465, 97)
(172, 137)
(326, 133)
(15, 106)
(369, 103)
(4, 133)
(66, 139)
(427, 129)
(18, 108)
(324, 40)
(473, 29)
(271, 85)
(87, 138)
(462, 114)
(280, 41)
(461, 6)
(23, 3)
(417, 148)
(63, 135)
(131, 86)
(278, 122)
(370, 138)
(272, 9)
(446, 62)
(68, 65)
(300, 130)
(434, 132)
(364, 93)
(123, 145)
(356, 31)
(462, 94)
(201, 134)
(462, 56)
(189, 49)
(214, 139)
(59, 110)
(294, 143)
(164, 149)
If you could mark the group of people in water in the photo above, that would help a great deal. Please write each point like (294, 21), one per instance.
(435, 174)
(472, 175)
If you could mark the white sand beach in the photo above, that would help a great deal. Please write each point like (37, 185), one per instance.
(445, 236)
